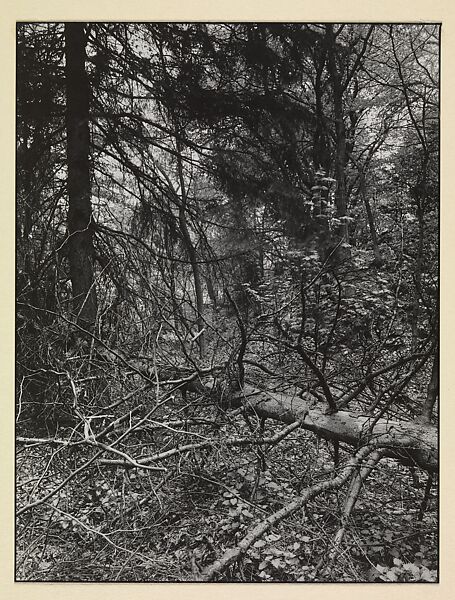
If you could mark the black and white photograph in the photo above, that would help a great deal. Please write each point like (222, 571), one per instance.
(227, 302)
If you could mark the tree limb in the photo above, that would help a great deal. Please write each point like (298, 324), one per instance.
(232, 555)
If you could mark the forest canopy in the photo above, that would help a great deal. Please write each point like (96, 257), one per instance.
(227, 324)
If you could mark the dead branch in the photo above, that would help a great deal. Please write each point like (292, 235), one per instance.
(232, 555)
(246, 441)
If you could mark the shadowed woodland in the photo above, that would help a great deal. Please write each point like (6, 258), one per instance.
(227, 302)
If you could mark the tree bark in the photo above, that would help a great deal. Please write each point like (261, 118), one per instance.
(415, 317)
(409, 442)
(196, 277)
(80, 225)
(340, 132)
(321, 155)
(371, 225)
(432, 391)
(192, 255)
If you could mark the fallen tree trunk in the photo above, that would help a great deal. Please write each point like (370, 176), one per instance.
(409, 442)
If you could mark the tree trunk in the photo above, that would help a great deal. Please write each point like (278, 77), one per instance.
(195, 266)
(415, 317)
(321, 154)
(211, 288)
(196, 277)
(370, 218)
(340, 132)
(432, 391)
(409, 442)
(80, 225)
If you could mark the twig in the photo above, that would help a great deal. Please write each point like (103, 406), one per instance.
(357, 479)
(246, 441)
(307, 360)
(91, 460)
(49, 495)
(423, 506)
(96, 532)
(232, 555)
(130, 461)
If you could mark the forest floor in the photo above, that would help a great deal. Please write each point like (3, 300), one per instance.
(113, 524)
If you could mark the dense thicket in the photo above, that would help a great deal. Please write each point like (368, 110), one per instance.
(221, 227)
